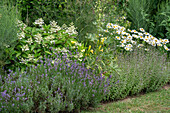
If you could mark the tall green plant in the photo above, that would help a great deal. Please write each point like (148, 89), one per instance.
(161, 27)
(8, 28)
(152, 15)
(138, 13)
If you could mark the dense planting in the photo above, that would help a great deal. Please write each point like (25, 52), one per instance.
(62, 85)
(49, 68)
(35, 42)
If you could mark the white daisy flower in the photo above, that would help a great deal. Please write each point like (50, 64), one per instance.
(141, 37)
(123, 41)
(129, 37)
(159, 44)
(134, 31)
(165, 40)
(140, 45)
(118, 32)
(153, 43)
(122, 45)
(133, 42)
(141, 29)
(146, 49)
(140, 34)
(146, 33)
(166, 48)
(129, 45)
(117, 37)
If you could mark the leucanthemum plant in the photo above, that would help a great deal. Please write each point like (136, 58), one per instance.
(127, 39)
(35, 42)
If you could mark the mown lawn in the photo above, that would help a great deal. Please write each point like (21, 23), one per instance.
(153, 102)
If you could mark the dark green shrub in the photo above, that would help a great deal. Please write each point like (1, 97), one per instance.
(79, 12)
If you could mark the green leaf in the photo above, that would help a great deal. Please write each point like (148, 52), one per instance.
(7, 62)
(35, 61)
(58, 41)
(33, 46)
(18, 54)
(38, 50)
(162, 35)
(37, 54)
(24, 55)
(45, 34)
(48, 52)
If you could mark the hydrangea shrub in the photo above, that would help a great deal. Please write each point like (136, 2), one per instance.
(35, 42)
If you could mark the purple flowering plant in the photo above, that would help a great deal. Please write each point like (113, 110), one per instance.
(55, 85)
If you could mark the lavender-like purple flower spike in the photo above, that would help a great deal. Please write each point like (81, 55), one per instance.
(3, 93)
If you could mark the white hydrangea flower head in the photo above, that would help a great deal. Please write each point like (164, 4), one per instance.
(71, 30)
(38, 38)
(39, 22)
(21, 35)
(29, 41)
(53, 23)
(25, 48)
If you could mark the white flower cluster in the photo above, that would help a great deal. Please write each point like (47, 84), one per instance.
(50, 37)
(29, 58)
(21, 25)
(21, 35)
(38, 38)
(39, 22)
(125, 37)
(71, 30)
(54, 27)
(25, 48)
(29, 41)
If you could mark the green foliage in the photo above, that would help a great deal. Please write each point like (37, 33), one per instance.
(161, 27)
(48, 10)
(8, 28)
(141, 72)
(79, 12)
(114, 13)
(152, 15)
(35, 42)
(138, 11)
